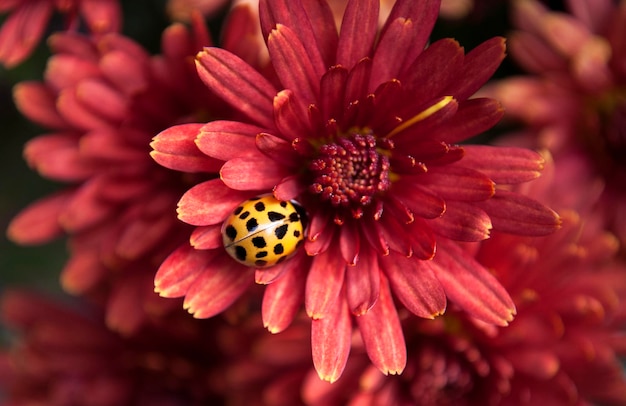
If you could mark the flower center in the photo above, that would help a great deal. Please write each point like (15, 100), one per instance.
(350, 171)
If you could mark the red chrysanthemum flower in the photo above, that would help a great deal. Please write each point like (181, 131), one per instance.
(563, 348)
(104, 99)
(25, 26)
(65, 355)
(577, 93)
(363, 135)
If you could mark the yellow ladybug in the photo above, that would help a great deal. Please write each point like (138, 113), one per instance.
(264, 231)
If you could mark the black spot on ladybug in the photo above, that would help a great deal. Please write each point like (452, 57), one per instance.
(240, 253)
(251, 224)
(296, 233)
(244, 215)
(283, 204)
(261, 254)
(293, 217)
(259, 206)
(281, 231)
(279, 249)
(231, 232)
(274, 216)
(259, 242)
(260, 262)
(238, 210)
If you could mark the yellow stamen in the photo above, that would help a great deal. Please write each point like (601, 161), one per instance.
(422, 115)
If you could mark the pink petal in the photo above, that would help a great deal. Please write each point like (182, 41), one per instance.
(414, 283)
(480, 64)
(38, 103)
(473, 117)
(238, 84)
(471, 286)
(252, 173)
(422, 239)
(143, 234)
(38, 223)
(533, 54)
(363, 283)
(218, 285)
(226, 140)
(358, 31)
(180, 270)
(282, 298)
(324, 283)
(65, 71)
(209, 203)
(102, 99)
(382, 334)
(503, 165)
(125, 72)
(290, 60)
(175, 149)
(394, 234)
(86, 208)
(330, 341)
(462, 222)
(517, 214)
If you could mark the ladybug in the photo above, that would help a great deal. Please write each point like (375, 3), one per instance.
(264, 231)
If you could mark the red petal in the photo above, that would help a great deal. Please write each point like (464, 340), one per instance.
(209, 203)
(238, 84)
(324, 283)
(83, 272)
(415, 284)
(22, 30)
(357, 81)
(57, 156)
(349, 243)
(206, 237)
(175, 149)
(217, 286)
(480, 64)
(292, 64)
(277, 150)
(101, 16)
(37, 102)
(439, 65)
(87, 208)
(422, 239)
(363, 283)
(458, 183)
(282, 298)
(330, 341)
(180, 270)
(38, 223)
(471, 286)
(472, 118)
(504, 165)
(462, 222)
(421, 202)
(517, 214)
(358, 31)
(289, 188)
(252, 173)
(332, 89)
(382, 333)
(290, 115)
(226, 140)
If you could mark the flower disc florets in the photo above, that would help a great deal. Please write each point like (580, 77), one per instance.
(350, 171)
